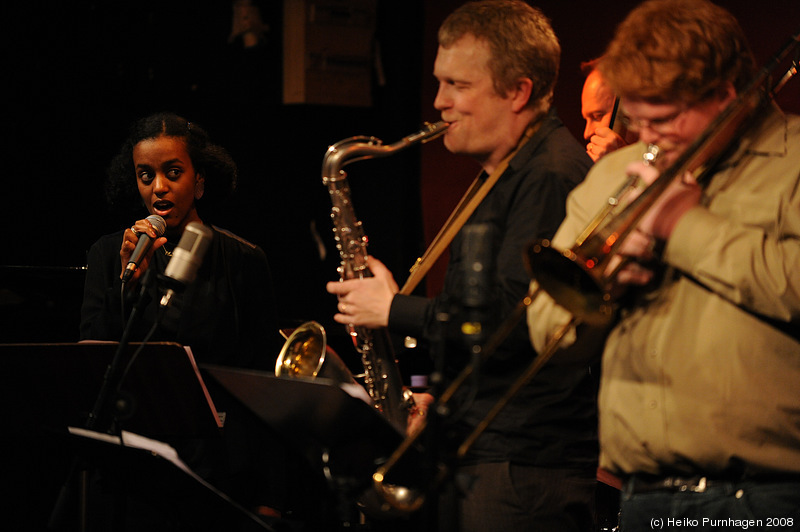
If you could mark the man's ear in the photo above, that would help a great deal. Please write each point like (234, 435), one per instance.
(520, 94)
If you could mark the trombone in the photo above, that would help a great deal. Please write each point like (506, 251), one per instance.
(580, 279)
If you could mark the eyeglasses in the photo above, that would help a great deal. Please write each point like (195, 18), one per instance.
(661, 125)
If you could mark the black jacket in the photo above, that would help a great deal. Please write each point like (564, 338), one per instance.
(552, 421)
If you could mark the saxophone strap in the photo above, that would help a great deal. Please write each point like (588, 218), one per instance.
(466, 206)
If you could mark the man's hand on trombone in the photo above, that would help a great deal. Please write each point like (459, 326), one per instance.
(655, 227)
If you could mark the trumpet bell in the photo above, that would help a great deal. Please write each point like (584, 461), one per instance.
(570, 281)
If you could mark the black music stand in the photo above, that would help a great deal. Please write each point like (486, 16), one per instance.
(316, 413)
(55, 386)
(46, 388)
(152, 475)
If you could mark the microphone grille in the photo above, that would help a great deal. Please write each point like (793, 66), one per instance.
(158, 223)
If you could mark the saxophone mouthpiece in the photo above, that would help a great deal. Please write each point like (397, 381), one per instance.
(431, 131)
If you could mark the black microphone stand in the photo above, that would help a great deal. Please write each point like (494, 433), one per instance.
(469, 312)
(112, 376)
(103, 407)
(434, 442)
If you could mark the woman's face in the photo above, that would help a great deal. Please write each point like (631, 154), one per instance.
(168, 182)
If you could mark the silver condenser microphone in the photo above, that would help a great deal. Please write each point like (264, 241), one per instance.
(186, 260)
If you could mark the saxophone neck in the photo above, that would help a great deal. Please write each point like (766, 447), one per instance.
(426, 134)
(359, 148)
(345, 152)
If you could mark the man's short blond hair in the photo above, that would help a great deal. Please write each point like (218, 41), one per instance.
(521, 42)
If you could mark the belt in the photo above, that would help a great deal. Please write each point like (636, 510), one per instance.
(641, 484)
(696, 484)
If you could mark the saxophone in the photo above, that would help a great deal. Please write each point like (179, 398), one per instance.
(382, 378)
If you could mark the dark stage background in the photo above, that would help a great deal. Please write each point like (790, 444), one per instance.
(78, 73)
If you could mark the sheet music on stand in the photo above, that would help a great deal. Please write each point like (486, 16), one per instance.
(152, 471)
(136, 441)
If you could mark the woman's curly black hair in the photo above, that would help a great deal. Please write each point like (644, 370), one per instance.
(212, 161)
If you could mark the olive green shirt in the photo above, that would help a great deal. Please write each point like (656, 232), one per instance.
(702, 373)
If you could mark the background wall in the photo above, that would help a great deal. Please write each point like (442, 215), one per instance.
(78, 73)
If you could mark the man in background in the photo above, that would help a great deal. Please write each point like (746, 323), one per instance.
(598, 104)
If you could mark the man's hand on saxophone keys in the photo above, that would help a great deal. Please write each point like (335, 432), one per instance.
(365, 302)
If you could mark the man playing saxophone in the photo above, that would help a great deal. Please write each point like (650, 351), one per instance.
(534, 468)
(699, 410)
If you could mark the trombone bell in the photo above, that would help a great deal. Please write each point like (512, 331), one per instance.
(571, 281)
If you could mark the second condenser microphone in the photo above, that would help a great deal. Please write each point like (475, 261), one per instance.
(186, 260)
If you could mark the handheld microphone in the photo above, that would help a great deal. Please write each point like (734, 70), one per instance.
(186, 260)
(143, 246)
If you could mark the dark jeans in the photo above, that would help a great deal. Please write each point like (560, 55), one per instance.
(500, 497)
(730, 506)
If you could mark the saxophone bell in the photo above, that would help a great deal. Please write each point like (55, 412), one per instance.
(305, 354)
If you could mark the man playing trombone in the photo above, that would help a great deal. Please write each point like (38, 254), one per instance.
(699, 409)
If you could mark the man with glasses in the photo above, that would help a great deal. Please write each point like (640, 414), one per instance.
(699, 409)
